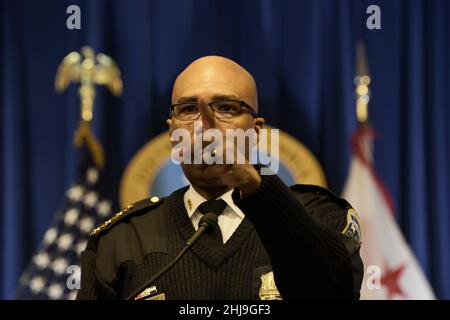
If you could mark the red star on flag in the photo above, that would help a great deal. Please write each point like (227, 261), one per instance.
(391, 279)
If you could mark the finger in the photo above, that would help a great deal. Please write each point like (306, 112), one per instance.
(217, 170)
(236, 153)
(207, 115)
(236, 175)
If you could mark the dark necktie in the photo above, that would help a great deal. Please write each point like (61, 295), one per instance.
(214, 238)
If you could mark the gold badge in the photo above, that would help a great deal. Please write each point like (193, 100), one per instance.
(268, 290)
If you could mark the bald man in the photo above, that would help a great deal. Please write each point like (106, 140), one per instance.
(271, 241)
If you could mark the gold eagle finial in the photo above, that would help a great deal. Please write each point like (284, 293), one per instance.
(89, 70)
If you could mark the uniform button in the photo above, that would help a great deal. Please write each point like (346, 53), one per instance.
(154, 199)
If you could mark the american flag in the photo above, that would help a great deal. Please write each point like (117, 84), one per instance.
(54, 270)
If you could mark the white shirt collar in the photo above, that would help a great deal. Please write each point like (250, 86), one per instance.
(192, 199)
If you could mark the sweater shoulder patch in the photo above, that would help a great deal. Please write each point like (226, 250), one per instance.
(318, 190)
(353, 226)
(132, 209)
(344, 220)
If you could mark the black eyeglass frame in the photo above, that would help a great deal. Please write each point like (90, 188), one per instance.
(242, 104)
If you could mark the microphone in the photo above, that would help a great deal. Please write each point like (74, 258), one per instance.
(207, 223)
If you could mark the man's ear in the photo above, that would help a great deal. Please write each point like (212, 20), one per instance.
(258, 124)
(169, 124)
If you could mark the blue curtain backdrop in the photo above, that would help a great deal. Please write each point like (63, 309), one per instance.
(302, 56)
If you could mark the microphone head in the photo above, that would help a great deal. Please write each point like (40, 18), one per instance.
(209, 221)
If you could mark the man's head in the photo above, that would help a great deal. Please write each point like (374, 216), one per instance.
(207, 80)
(214, 75)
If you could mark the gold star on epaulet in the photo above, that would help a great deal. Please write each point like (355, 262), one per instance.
(146, 203)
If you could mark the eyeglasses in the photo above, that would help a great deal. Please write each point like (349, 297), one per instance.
(222, 109)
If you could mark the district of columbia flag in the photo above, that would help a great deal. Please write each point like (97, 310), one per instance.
(391, 269)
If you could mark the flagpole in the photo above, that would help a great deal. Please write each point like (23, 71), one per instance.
(392, 271)
(362, 81)
(54, 270)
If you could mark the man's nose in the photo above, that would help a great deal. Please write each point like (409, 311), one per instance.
(206, 114)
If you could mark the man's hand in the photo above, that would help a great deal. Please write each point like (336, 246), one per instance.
(243, 176)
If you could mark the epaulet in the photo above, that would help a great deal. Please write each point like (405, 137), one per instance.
(147, 203)
(304, 188)
(352, 227)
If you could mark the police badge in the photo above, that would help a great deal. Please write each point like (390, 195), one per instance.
(268, 290)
